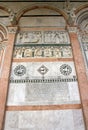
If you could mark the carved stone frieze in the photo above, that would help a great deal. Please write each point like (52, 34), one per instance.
(12, 17)
(43, 37)
(42, 51)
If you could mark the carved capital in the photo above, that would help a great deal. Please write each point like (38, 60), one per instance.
(12, 29)
(12, 17)
(72, 29)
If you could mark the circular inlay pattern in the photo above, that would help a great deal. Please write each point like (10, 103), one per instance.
(20, 70)
(65, 69)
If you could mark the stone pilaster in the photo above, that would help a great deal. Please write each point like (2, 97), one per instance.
(81, 72)
(4, 77)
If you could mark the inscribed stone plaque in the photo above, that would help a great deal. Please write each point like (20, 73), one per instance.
(46, 93)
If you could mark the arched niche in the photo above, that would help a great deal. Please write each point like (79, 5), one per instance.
(82, 16)
(3, 42)
(41, 15)
(82, 23)
(41, 25)
(4, 14)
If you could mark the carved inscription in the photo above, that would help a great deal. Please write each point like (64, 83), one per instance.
(47, 92)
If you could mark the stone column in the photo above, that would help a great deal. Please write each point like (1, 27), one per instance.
(81, 72)
(5, 72)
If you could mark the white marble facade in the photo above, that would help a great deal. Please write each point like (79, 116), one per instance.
(43, 83)
(44, 120)
(31, 70)
(43, 94)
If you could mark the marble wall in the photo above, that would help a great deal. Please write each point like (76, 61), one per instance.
(43, 83)
(84, 45)
(42, 21)
(44, 120)
(43, 93)
(38, 70)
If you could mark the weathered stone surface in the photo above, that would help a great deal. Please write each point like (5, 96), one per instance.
(41, 120)
(43, 93)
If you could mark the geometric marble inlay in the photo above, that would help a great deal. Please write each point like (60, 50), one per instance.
(65, 69)
(43, 70)
(20, 70)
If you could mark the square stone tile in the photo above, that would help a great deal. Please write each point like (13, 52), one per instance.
(78, 120)
(11, 120)
(46, 120)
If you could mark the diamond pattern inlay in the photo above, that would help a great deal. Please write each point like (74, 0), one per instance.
(43, 70)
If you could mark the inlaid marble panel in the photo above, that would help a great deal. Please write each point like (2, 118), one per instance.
(43, 93)
(44, 120)
(43, 83)
(30, 70)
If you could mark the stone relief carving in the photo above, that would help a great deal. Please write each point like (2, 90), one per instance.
(29, 37)
(71, 16)
(12, 17)
(42, 37)
(42, 51)
(55, 37)
(12, 29)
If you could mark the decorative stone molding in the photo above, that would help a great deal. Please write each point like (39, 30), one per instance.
(2, 46)
(12, 17)
(72, 29)
(48, 80)
(12, 29)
